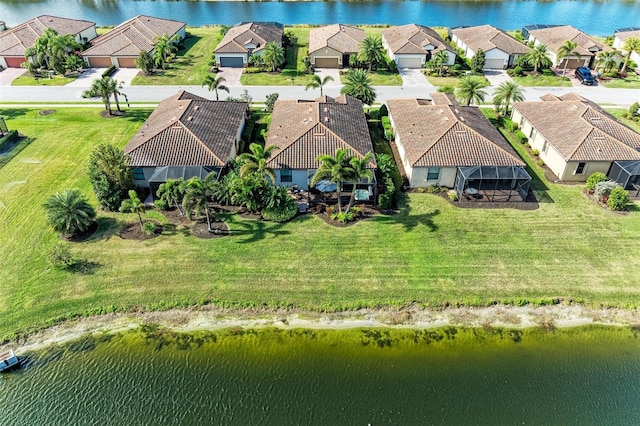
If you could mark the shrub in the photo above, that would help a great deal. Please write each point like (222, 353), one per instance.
(280, 215)
(383, 111)
(633, 109)
(603, 189)
(446, 89)
(521, 137)
(518, 71)
(535, 152)
(342, 217)
(161, 204)
(393, 67)
(540, 162)
(252, 70)
(594, 179)
(420, 190)
(618, 198)
(434, 189)
(452, 195)
(60, 256)
(270, 102)
(109, 71)
(149, 228)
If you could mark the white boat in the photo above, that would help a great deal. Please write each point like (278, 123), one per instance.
(7, 360)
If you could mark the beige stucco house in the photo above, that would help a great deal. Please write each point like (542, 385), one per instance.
(330, 46)
(555, 36)
(500, 49)
(411, 46)
(621, 35)
(575, 137)
(245, 39)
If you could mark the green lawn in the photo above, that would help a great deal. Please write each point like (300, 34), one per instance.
(450, 81)
(617, 112)
(632, 81)
(29, 80)
(542, 80)
(191, 65)
(380, 78)
(285, 78)
(430, 253)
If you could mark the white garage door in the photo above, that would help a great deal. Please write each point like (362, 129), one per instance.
(409, 63)
(494, 64)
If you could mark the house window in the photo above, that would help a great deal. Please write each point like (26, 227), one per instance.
(286, 175)
(545, 146)
(580, 168)
(433, 173)
(532, 134)
(138, 173)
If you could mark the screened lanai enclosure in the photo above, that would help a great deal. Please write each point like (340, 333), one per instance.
(627, 174)
(164, 173)
(492, 183)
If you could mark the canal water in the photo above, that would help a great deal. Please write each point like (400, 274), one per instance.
(600, 17)
(318, 377)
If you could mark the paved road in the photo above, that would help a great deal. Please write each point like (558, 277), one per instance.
(152, 94)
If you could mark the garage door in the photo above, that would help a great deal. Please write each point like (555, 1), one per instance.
(127, 62)
(326, 62)
(409, 63)
(231, 62)
(99, 61)
(494, 64)
(573, 63)
(14, 62)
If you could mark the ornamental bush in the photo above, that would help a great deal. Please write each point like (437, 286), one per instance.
(521, 137)
(618, 199)
(284, 214)
(603, 189)
(594, 179)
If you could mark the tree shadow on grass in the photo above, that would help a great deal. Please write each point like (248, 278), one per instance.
(407, 219)
(10, 113)
(107, 227)
(136, 115)
(84, 267)
(257, 230)
(170, 229)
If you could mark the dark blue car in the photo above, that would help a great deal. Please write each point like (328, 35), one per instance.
(584, 75)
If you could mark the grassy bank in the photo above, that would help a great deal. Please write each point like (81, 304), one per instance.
(430, 253)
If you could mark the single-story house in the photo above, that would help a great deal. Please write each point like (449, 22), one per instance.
(303, 130)
(185, 136)
(122, 45)
(330, 46)
(244, 39)
(15, 41)
(500, 49)
(412, 46)
(442, 143)
(555, 36)
(619, 37)
(575, 137)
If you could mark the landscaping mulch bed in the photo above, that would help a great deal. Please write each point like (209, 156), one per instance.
(174, 216)
(46, 111)
(530, 204)
(83, 236)
(367, 213)
(114, 114)
(132, 231)
(200, 230)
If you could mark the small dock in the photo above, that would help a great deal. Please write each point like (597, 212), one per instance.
(7, 360)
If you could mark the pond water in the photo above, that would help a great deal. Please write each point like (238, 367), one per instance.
(599, 17)
(269, 376)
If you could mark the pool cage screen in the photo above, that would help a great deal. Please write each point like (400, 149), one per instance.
(492, 181)
(627, 174)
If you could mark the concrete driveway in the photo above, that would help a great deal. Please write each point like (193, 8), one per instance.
(125, 75)
(332, 72)
(87, 78)
(496, 77)
(413, 78)
(10, 74)
(231, 75)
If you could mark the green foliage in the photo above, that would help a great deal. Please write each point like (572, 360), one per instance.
(215, 83)
(60, 256)
(109, 71)
(618, 198)
(8, 138)
(161, 204)
(73, 63)
(342, 217)
(69, 212)
(283, 214)
(270, 102)
(164, 47)
(388, 128)
(446, 89)
(518, 71)
(452, 195)
(371, 52)
(149, 228)
(477, 61)
(538, 57)
(535, 152)
(110, 175)
(392, 66)
(506, 93)
(358, 85)
(273, 55)
(145, 62)
(603, 189)
(434, 189)
(383, 111)
(256, 161)
(318, 83)
(633, 109)
(133, 205)
(594, 179)
(521, 137)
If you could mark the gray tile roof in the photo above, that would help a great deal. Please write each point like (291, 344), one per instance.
(412, 38)
(343, 38)
(258, 33)
(187, 130)
(303, 130)
(14, 41)
(133, 36)
(487, 37)
(580, 130)
(623, 35)
(448, 135)
(555, 37)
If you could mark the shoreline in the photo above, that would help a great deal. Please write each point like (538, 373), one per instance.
(185, 321)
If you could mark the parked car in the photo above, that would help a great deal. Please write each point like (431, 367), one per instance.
(584, 75)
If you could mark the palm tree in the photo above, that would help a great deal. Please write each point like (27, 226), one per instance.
(273, 55)
(538, 57)
(607, 60)
(163, 47)
(506, 93)
(317, 82)
(196, 196)
(42, 47)
(115, 87)
(631, 45)
(371, 51)
(215, 83)
(133, 205)
(62, 45)
(69, 212)
(102, 88)
(440, 59)
(358, 85)
(360, 171)
(567, 49)
(471, 89)
(256, 161)
(336, 169)
(172, 192)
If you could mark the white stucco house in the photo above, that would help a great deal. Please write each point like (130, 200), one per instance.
(500, 49)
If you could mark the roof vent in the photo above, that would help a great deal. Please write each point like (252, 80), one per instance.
(326, 119)
(326, 109)
(460, 131)
(190, 118)
(462, 119)
(197, 107)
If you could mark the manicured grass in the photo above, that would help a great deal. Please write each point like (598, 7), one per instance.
(451, 81)
(632, 81)
(285, 78)
(429, 253)
(29, 80)
(617, 112)
(380, 78)
(542, 80)
(191, 65)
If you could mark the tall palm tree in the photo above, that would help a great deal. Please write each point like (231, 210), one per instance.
(196, 196)
(256, 161)
(172, 192)
(361, 170)
(42, 46)
(317, 82)
(163, 47)
(631, 45)
(506, 93)
(133, 205)
(440, 59)
(358, 85)
(102, 88)
(567, 49)
(336, 169)
(215, 83)
(471, 89)
(607, 60)
(273, 55)
(538, 57)
(69, 212)
(62, 45)
(371, 51)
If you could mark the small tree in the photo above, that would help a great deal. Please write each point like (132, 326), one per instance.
(631, 45)
(471, 89)
(110, 175)
(256, 161)
(318, 83)
(477, 61)
(358, 85)
(371, 51)
(69, 212)
(538, 57)
(60, 256)
(133, 205)
(594, 179)
(618, 199)
(73, 63)
(144, 61)
(215, 83)
(506, 93)
(567, 49)
(633, 109)
(603, 190)
(271, 101)
(172, 192)
(273, 55)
